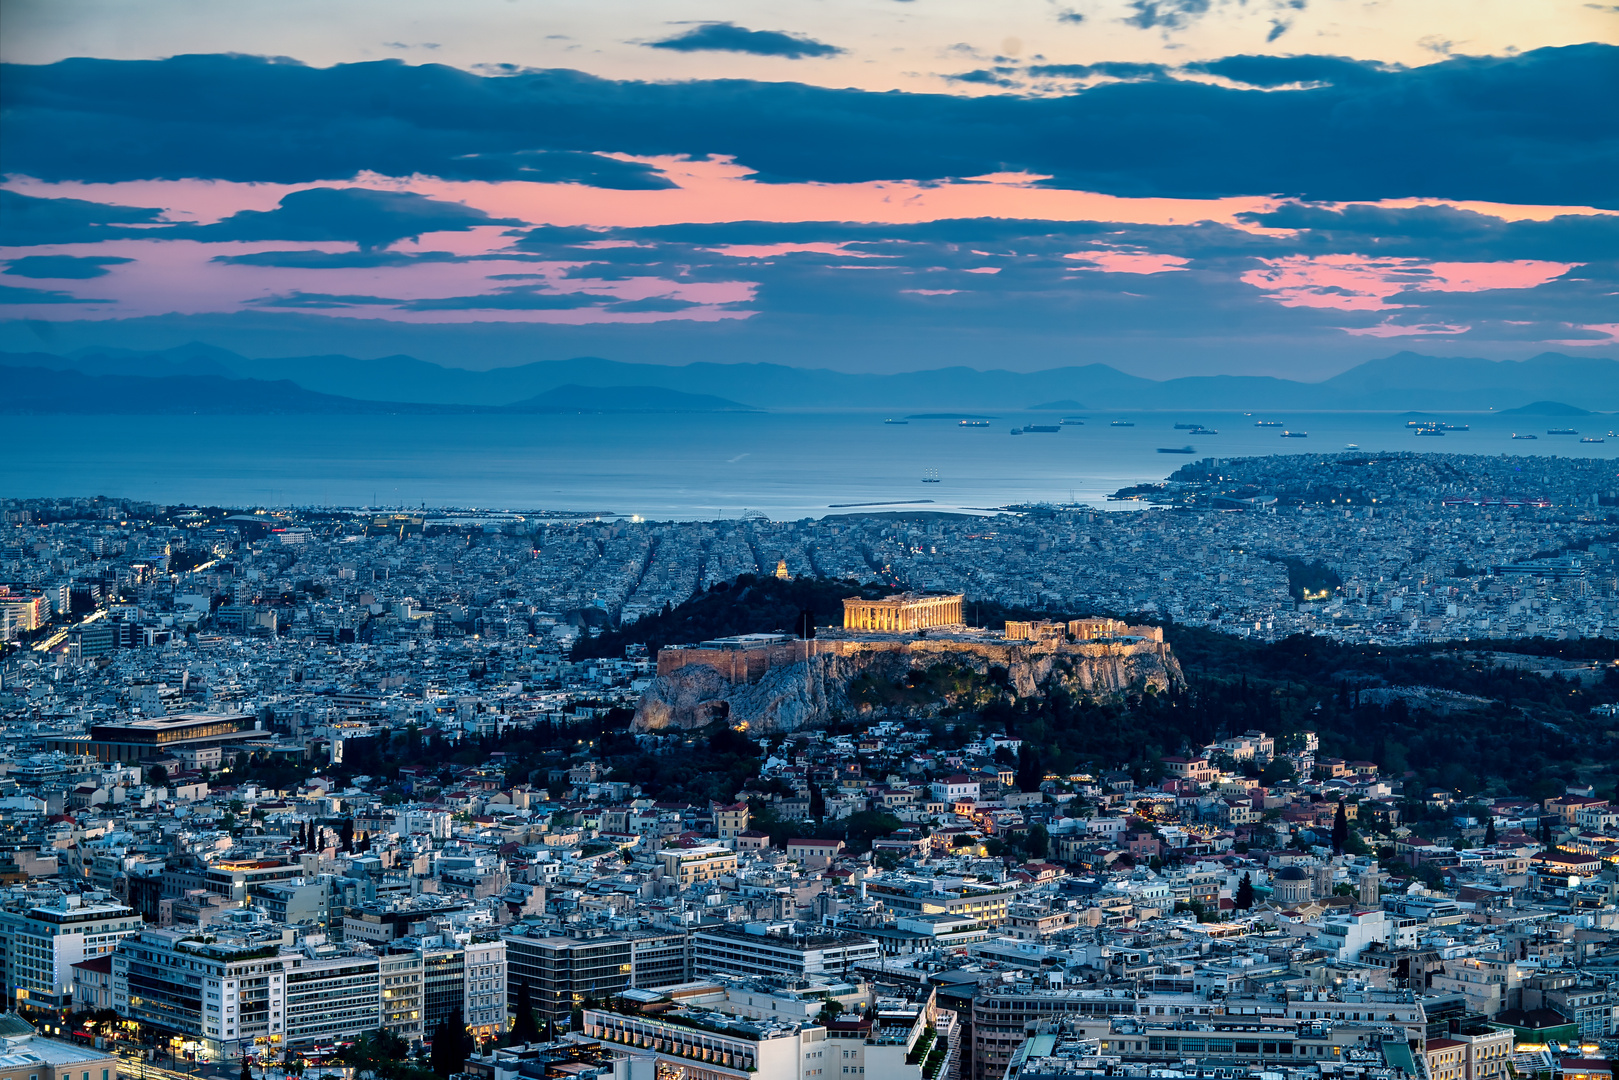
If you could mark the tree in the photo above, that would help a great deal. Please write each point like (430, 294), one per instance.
(1245, 893)
(382, 1054)
(1340, 829)
(830, 1011)
(1546, 833)
(1489, 832)
(817, 807)
(1038, 844)
(158, 776)
(1029, 770)
(1279, 769)
(525, 1029)
(450, 1045)
(345, 835)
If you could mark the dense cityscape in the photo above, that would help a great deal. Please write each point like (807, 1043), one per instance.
(310, 791)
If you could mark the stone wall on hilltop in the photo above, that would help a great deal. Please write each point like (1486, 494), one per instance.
(809, 690)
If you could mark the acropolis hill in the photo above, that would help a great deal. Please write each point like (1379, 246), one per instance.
(922, 660)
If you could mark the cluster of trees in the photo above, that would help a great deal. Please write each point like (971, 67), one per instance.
(751, 604)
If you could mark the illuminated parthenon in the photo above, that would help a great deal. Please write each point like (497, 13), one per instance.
(906, 611)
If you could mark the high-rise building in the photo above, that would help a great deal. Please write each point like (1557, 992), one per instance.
(400, 971)
(332, 994)
(659, 958)
(483, 1004)
(562, 972)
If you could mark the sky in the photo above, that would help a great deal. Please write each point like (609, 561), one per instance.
(1173, 187)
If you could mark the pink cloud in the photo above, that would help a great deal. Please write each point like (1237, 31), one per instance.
(180, 277)
(1610, 329)
(770, 251)
(1365, 283)
(1389, 328)
(1128, 262)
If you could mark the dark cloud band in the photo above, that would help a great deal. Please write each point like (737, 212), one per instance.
(1506, 129)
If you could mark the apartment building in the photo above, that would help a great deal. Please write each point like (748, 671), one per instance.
(401, 978)
(779, 950)
(331, 993)
(225, 993)
(562, 971)
(483, 994)
(689, 866)
(42, 943)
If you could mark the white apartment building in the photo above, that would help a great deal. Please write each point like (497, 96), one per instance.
(484, 1008)
(41, 945)
(955, 787)
(240, 987)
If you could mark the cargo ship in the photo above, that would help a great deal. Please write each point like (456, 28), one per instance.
(1123, 423)
(1176, 450)
(930, 476)
(1072, 420)
(1561, 431)
(1515, 435)
(975, 423)
(1295, 434)
(1588, 438)
(1267, 423)
(896, 421)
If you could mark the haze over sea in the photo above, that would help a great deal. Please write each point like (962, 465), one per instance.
(665, 466)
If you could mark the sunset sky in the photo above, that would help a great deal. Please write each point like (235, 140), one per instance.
(1170, 186)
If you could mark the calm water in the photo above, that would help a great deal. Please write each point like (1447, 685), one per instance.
(787, 465)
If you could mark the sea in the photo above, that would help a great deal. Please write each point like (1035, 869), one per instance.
(690, 466)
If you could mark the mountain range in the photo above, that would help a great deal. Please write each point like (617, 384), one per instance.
(37, 390)
(200, 377)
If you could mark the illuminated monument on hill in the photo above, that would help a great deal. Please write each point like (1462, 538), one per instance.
(897, 614)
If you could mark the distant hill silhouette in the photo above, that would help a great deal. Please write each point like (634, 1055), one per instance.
(1547, 408)
(1400, 382)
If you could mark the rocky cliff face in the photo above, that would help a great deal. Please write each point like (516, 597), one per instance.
(848, 678)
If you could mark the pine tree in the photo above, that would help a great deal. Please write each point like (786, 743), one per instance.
(525, 1029)
(1245, 893)
(1340, 830)
(449, 1044)
(817, 806)
(346, 835)
(1489, 832)
(1029, 771)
